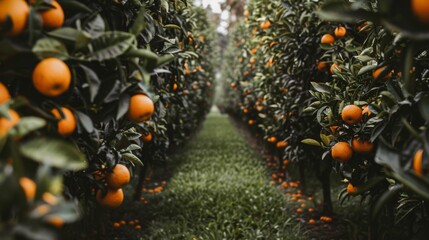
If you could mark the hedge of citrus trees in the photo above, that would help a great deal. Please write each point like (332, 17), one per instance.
(341, 85)
(90, 92)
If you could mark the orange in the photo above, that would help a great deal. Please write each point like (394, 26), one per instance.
(362, 147)
(6, 124)
(29, 187)
(251, 122)
(341, 152)
(146, 137)
(119, 177)
(311, 221)
(253, 51)
(378, 71)
(266, 24)
(49, 198)
(112, 199)
(340, 32)
(272, 139)
(116, 225)
(420, 9)
(53, 18)
(18, 12)
(66, 125)
(252, 60)
(141, 108)
(327, 39)
(351, 114)
(246, 13)
(281, 144)
(333, 129)
(321, 66)
(55, 221)
(351, 188)
(365, 110)
(4, 94)
(174, 86)
(334, 67)
(417, 162)
(299, 211)
(51, 77)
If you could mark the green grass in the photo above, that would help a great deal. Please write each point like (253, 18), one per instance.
(220, 190)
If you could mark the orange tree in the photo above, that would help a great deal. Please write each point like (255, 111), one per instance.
(89, 90)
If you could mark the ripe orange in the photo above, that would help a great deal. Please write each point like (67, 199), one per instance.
(341, 152)
(327, 39)
(116, 225)
(18, 12)
(251, 122)
(175, 86)
(141, 108)
(272, 139)
(66, 125)
(378, 71)
(51, 77)
(119, 177)
(246, 13)
(29, 187)
(417, 162)
(187, 72)
(53, 18)
(299, 211)
(55, 221)
(351, 114)
(146, 137)
(112, 199)
(266, 24)
(351, 188)
(4, 93)
(6, 124)
(311, 221)
(362, 147)
(334, 67)
(321, 66)
(49, 198)
(281, 144)
(420, 9)
(340, 32)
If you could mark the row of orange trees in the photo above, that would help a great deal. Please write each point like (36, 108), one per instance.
(341, 85)
(90, 92)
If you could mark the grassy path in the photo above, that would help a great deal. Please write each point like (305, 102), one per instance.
(220, 190)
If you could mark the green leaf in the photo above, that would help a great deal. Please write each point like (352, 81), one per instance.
(424, 107)
(27, 125)
(70, 36)
(312, 142)
(320, 88)
(139, 22)
(53, 152)
(109, 45)
(132, 158)
(142, 53)
(85, 121)
(49, 47)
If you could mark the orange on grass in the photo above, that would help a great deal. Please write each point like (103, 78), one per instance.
(51, 77)
(146, 137)
(112, 199)
(266, 24)
(351, 188)
(66, 125)
(351, 114)
(341, 152)
(334, 67)
(281, 144)
(6, 124)
(420, 9)
(378, 71)
(4, 93)
(141, 108)
(18, 12)
(119, 177)
(362, 147)
(53, 18)
(327, 39)
(417, 162)
(340, 32)
(321, 66)
(29, 187)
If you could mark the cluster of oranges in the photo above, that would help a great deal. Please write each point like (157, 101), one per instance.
(115, 180)
(339, 32)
